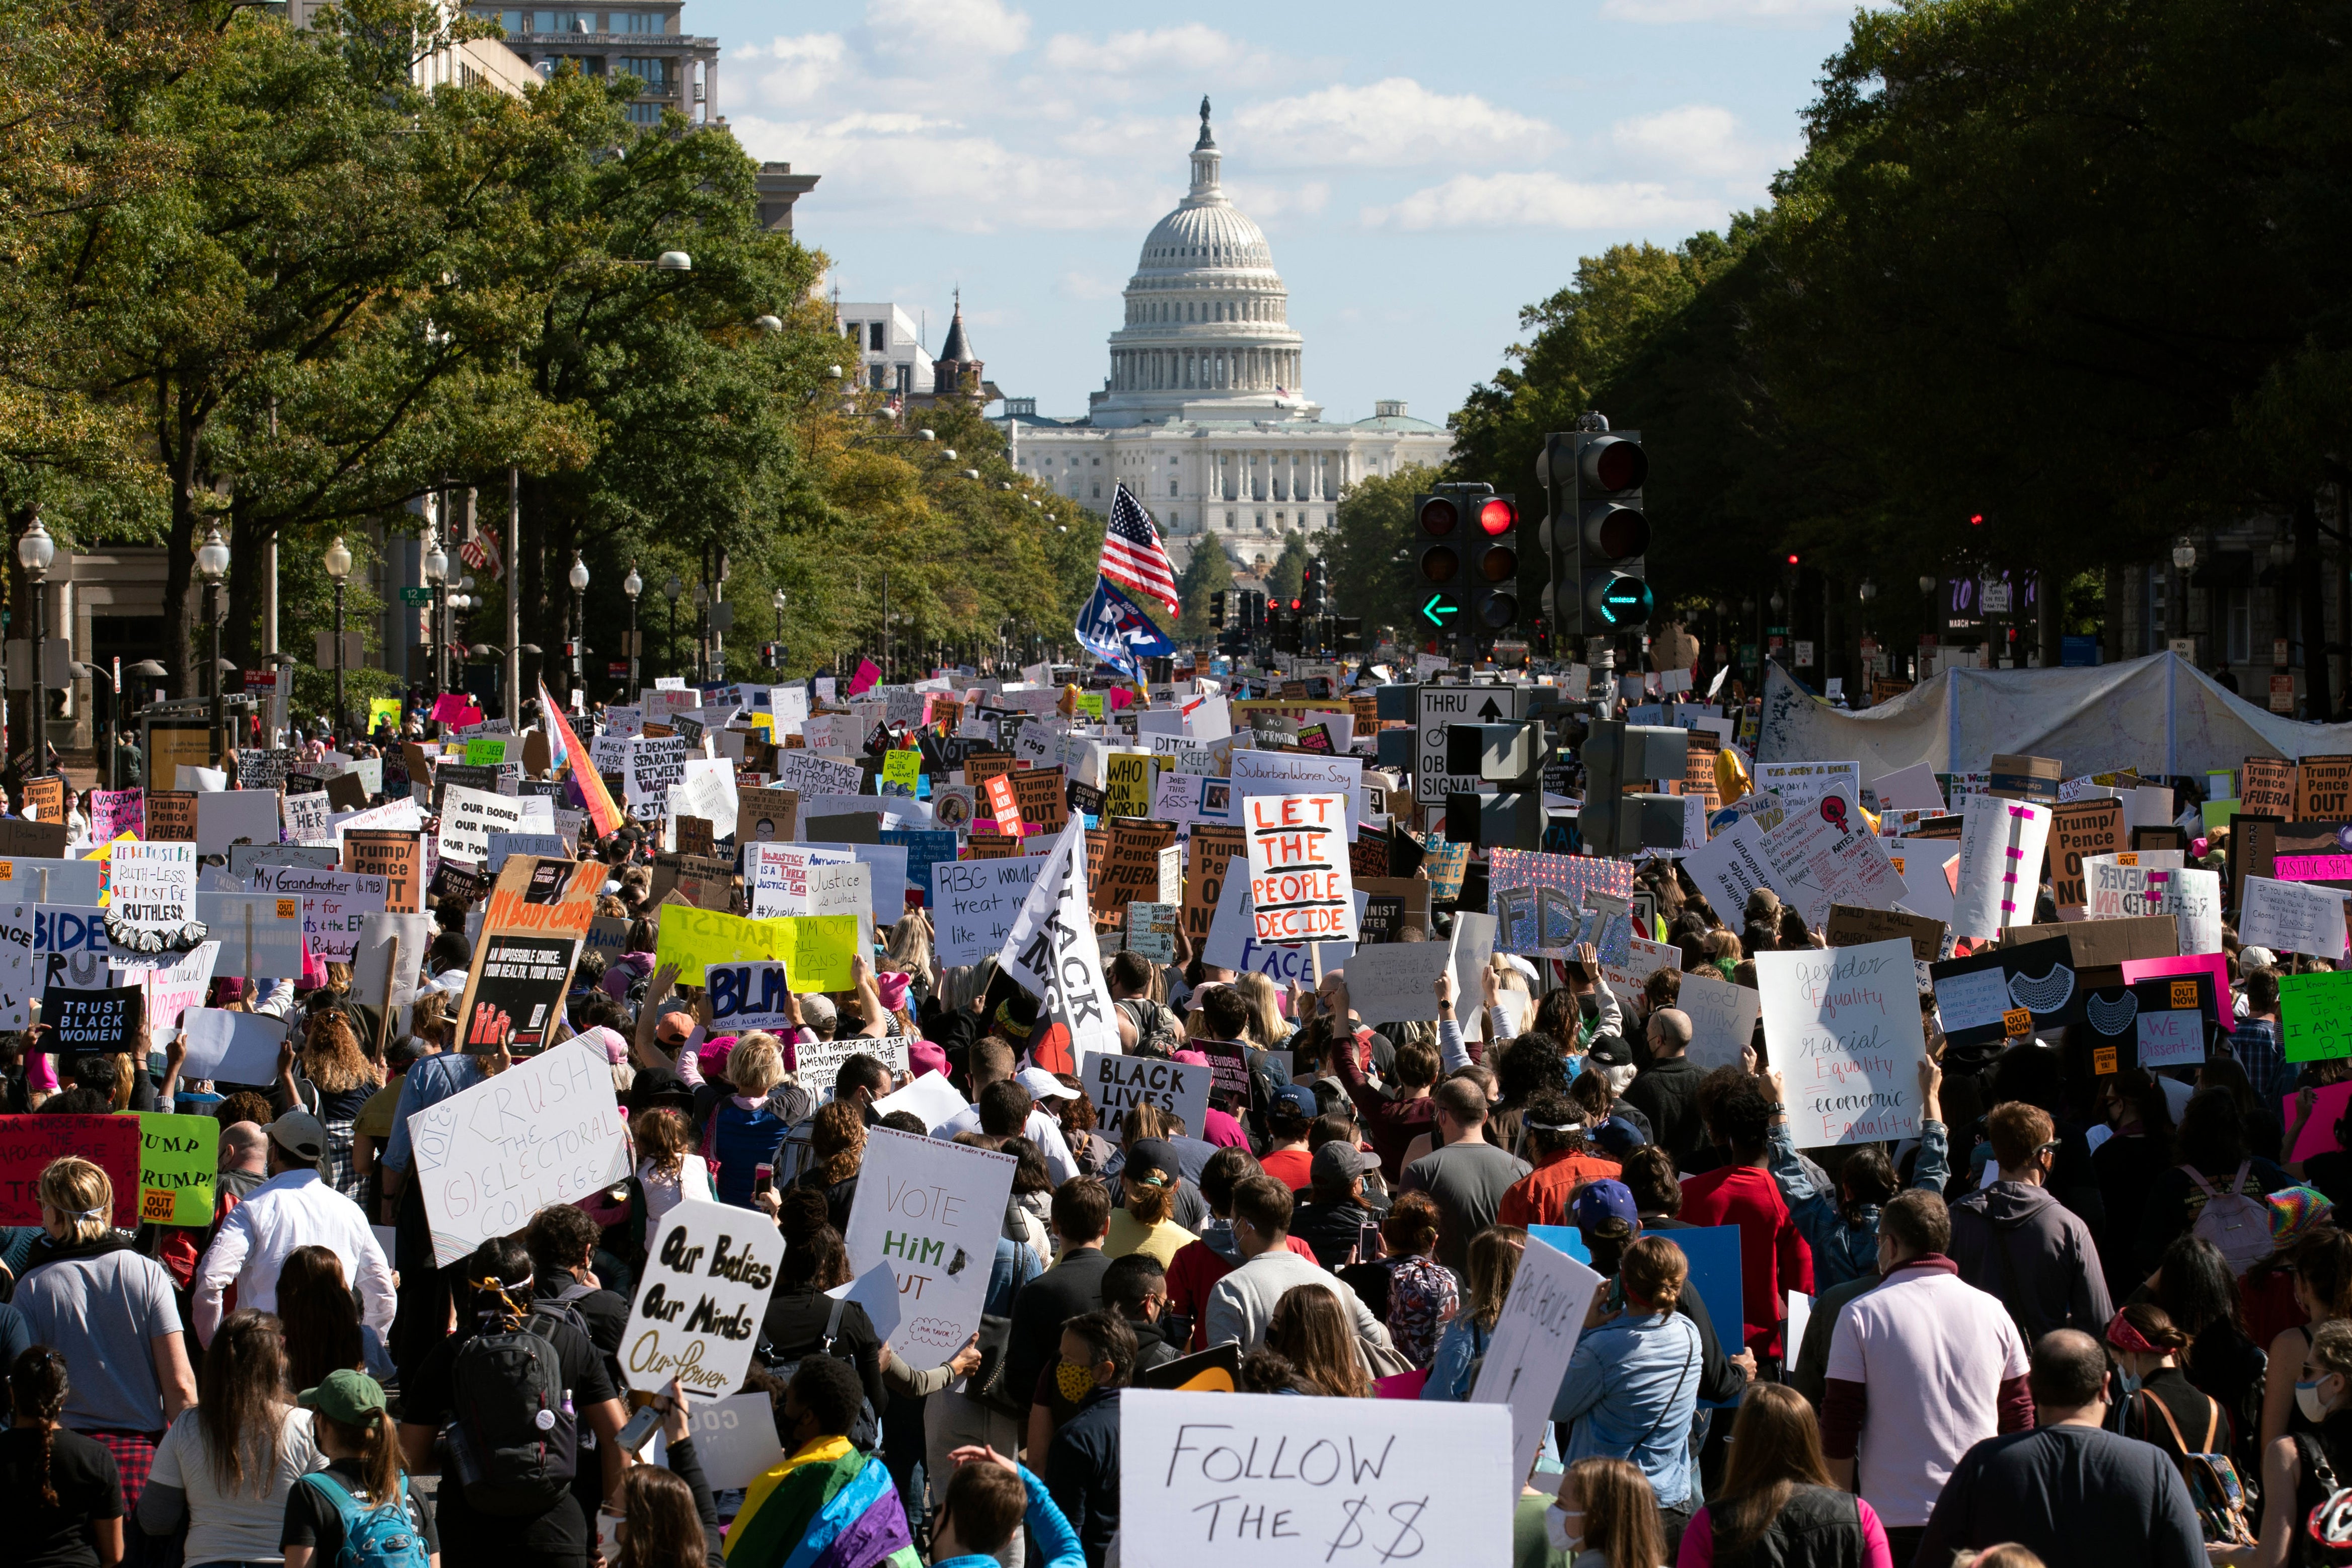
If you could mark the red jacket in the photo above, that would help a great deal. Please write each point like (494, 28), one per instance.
(1541, 1196)
(1773, 1258)
(1389, 1125)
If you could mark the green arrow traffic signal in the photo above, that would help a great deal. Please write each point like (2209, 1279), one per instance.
(1439, 607)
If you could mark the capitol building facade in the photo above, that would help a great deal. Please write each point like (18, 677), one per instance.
(1204, 414)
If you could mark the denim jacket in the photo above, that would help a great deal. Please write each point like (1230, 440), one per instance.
(1844, 1251)
(1631, 1392)
(1462, 1342)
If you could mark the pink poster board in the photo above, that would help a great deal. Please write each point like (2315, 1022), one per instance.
(2215, 964)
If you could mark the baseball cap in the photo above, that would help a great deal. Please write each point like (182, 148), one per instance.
(1298, 1098)
(350, 1397)
(1608, 1051)
(658, 1086)
(1152, 1162)
(1604, 1200)
(1617, 1136)
(1043, 1085)
(299, 1134)
(1338, 1162)
(2251, 958)
(817, 1011)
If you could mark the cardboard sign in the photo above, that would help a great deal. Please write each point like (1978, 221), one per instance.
(152, 887)
(1300, 886)
(2292, 917)
(171, 816)
(177, 1158)
(548, 1130)
(41, 840)
(2078, 829)
(1850, 926)
(767, 816)
(397, 857)
(2016, 777)
(972, 905)
(468, 817)
(1843, 1023)
(2323, 789)
(815, 948)
(2316, 1015)
(1542, 1318)
(1376, 1480)
(1723, 1017)
(104, 1021)
(44, 797)
(1395, 982)
(1213, 846)
(1131, 871)
(931, 1211)
(709, 1269)
(1115, 1082)
(2267, 786)
(27, 1145)
(377, 978)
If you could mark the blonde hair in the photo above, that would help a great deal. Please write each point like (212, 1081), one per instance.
(81, 1193)
(756, 1064)
(332, 1057)
(1268, 1026)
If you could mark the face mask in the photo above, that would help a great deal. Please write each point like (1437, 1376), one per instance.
(1076, 1382)
(1556, 1529)
(2129, 1380)
(2308, 1400)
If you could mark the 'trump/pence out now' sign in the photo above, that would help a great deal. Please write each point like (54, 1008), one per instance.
(1300, 888)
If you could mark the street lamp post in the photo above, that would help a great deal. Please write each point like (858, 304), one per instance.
(339, 567)
(435, 568)
(35, 550)
(579, 581)
(780, 629)
(633, 585)
(212, 565)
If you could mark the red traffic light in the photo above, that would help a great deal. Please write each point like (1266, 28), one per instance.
(1976, 519)
(1792, 559)
(1498, 516)
(1439, 517)
(1294, 604)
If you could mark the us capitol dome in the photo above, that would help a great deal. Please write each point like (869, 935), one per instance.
(1204, 414)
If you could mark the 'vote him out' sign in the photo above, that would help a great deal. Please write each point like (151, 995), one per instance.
(1300, 886)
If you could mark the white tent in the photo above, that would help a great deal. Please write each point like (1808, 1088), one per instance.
(2160, 714)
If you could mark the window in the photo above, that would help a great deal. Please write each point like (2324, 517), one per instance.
(644, 114)
(850, 329)
(875, 339)
(1097, 497)
(881, 377)
(512, 21)
(634, 22)
(1097, 463)
(2237, 621)
(650, 70)
(563, 21)
(1172, 486)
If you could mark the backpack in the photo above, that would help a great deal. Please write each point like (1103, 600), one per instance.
(2210, 1477)
(2240, 1226)
(560, 1308)
(1157, 1032)
(379, 1536)
(515, 1444)
(865, 1430)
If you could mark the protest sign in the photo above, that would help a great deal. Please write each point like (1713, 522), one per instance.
(2171, 1020)
(231, 1047)
(102, 1022)
(734, 1441)
(2215, 967)
(1534, 1337)
(114, 812)
(468, 817)
(2079, 829)
(516, 990)
(545, 1130)
(2292, 917)
(334, 905)
(1116, 1081)
(2323, 789)
(2001, 846)
(259, 933)
(310, 817)
(767, 816)
(1051, 950)
(1843, 1024)
(1131, 871)
(37, 839)
(777, 876)
(1396, 982)
(41, 881)
(1151, 931)
(973, 904)
(71, 948)
(745, 996)
(708, 1268)
(2316, 1015)
(152, 887)
(2266, 786)
(233, 816)
(177, 1157)
(1126, 784)
(1800, 785)
(817, 1062)
(554, 846)
(1301, 889)
(171, 816)
(1213, 847)
(20, 977)
(2013, 991)
(2192, 897)
(1849, 927)
(815, 948)
(382, 977)
(930, 1098)
(1362, 1481)
(1723, 1019)
(170, 990)
(932, 1210)
(27, 1145)
(1827, 855)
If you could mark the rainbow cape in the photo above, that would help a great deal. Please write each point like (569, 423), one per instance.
(828, 1506)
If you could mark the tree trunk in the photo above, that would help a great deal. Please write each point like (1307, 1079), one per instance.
(2310, 575)
(179, 426)
(249, 554)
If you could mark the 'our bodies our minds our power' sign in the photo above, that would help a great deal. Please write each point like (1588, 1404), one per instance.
(1843, 1026)
(698, 1307)
(548, 1130)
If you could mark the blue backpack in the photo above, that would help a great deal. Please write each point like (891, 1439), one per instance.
(379, 1537)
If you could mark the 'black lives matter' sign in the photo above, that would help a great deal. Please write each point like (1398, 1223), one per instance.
(97, 1022)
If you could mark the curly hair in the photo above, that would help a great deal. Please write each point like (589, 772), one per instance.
(838, 1140)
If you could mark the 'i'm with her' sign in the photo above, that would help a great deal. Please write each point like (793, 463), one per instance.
(1843, 1025)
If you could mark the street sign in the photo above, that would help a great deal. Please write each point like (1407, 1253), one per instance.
(1444, 706)
(1440, 610)
(1995, 597)
(417, 596)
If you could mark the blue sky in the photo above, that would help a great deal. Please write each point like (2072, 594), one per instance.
(1421, 172)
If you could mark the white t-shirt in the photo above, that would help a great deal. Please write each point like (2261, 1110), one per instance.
(246, 1527)
(1932, 1352)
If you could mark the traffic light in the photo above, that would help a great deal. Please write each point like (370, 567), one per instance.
(1595, 531)
(1510, 755)
(1316, 591)
(1441, 546)
(1217, 621)
(1616, 756)
(1494, 575)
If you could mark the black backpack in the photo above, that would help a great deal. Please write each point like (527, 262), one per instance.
(515, 1444)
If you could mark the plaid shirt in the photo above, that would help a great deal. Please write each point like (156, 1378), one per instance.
(2263, 1054)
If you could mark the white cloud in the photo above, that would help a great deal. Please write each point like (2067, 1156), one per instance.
(1697, 138)
(947, 30)
(1388, 124)
(805, 66)
(1754, 13)
(1164, 49)
(1084, 286)
(1544, 200)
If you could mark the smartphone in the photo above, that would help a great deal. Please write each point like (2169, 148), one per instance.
(639, 1428)
(1368, 1241)
(763, 1178)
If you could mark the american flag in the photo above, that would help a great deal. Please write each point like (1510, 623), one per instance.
(1131, 552)
(481, 553)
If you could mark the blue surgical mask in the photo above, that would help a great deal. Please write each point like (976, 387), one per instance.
(2128, 1380)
